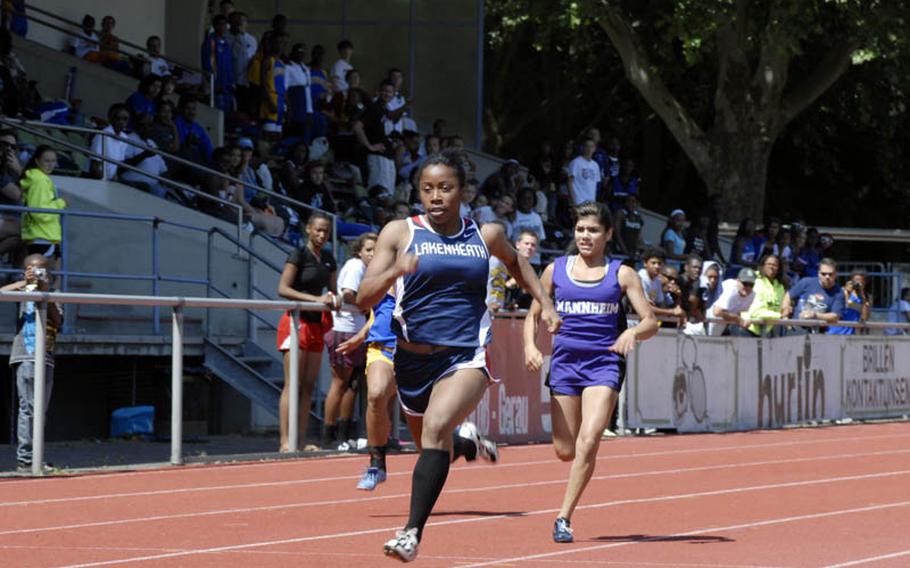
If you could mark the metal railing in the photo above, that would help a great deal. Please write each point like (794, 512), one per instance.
(78, 34)
(177, 304)
(25, 127)
(32, 128)
(155, 277)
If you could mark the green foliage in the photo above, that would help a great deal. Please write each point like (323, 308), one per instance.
(552, 71)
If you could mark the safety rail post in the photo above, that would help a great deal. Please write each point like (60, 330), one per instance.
(156, 274)
(68, 317)
(103, 156)
(250, 288)
(208, 283)
(177, 386)
(212, 90)
(38, 389)
(294, 384)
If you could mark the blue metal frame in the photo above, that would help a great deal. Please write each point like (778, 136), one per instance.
(154, 277)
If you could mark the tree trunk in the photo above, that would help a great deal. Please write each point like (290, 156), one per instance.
(738, 170)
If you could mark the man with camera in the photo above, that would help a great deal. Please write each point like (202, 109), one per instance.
(22, 353)
(10, 194)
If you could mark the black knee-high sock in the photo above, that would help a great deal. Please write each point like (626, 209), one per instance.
(377, 457)
(463, 447)
(429, 476)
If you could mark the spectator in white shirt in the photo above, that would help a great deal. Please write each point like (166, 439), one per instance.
(152, 163)
(114, 144)
(405, 122)
(87, 42)
(584, 175)
(526, 218)
(734, 301)
(900, 313)
(343, 65)
(156, 64)
(243, 49)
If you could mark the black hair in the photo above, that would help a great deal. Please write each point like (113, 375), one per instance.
(165, 103)
(692, 256)
(594, 209)
(761, 263)
(451, 158)
(9, 132)
(525, 190)
(345, 44)
(394, 70)
(150, 38)
(147, 81)
(347, 74)
(317, 214)
(33, 161)
(653, 252)
(220, 18)
(741, 230)
(117, 107)
(278, 18)
(386, 82)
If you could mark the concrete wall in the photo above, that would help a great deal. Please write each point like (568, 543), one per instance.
(136, 20)
(441, 75)
(125, 247)
(184, 29)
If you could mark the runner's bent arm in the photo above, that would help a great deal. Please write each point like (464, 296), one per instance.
(647, 326)
(533, 356)
(387, 265)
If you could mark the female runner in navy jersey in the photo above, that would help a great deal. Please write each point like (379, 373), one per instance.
(440, 262)
(588, 363)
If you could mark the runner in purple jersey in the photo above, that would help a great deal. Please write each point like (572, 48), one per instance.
(588, 363)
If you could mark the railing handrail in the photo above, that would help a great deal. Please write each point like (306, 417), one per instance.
(516, 314)
(18, 123)
(136, 169)
(160, 301)
(78, 25)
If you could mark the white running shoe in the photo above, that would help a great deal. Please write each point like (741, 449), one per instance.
(486, 448)
(403, 546)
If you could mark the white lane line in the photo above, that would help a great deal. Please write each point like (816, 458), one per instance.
(196, 468)
(638, 501)
(359, 500)
(869, 559)
(239, 486)
(754, 524)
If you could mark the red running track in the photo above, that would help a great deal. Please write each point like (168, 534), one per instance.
(825, 497)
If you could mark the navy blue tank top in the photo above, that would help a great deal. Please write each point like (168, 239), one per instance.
(444, 301)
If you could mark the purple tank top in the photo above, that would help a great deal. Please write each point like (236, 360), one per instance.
(592, 315)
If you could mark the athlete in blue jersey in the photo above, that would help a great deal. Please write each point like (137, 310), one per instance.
(439, 262)
(588, 363)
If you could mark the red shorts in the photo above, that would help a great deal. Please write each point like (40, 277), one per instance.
(310, 333)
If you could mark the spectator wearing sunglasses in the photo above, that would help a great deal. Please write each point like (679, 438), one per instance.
(734, 301)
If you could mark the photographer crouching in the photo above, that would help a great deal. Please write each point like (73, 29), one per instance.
(22, 353)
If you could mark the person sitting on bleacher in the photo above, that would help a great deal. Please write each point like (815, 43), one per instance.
(86, 43)
(112, 145)
(152, 162)
(195, 144)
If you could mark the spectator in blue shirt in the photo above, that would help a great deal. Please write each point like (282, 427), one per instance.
(143, 101)
(857, 304)
(195, 143)
(218, 58)
(816, 298)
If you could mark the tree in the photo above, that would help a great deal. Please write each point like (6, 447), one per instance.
(771, 60)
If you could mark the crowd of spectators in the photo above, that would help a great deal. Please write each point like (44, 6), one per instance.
(309, 130)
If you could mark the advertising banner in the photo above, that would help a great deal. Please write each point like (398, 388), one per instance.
(517, 409)
(698, 383)
(683, 382)
(876, 377)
